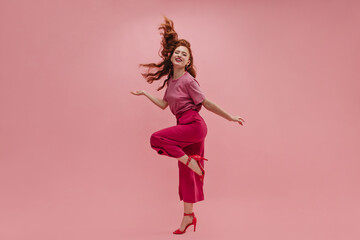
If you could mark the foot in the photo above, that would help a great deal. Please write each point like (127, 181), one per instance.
(195, 167)
(185, 221)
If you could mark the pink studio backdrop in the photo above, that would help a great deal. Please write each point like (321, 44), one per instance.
(75, 157)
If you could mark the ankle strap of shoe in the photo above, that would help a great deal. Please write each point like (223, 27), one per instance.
(189, 214)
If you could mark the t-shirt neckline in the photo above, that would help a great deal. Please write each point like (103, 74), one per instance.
(179, 77)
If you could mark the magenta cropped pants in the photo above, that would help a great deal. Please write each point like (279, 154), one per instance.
(187, 137)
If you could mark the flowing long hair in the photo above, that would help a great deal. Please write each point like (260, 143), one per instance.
(169, 43)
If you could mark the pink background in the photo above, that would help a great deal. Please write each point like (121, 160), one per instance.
(75, 156)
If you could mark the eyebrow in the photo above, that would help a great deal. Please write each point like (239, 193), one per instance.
(182, 51)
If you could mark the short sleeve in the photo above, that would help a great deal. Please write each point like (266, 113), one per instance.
(195, 92)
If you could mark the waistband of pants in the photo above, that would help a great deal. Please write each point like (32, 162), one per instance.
(187, 111)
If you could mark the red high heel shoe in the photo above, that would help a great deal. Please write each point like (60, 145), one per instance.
(177, 231)
(198, 158)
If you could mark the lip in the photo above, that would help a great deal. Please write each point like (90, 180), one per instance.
(178, 59)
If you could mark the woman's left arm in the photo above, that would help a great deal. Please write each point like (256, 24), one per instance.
(213, 107)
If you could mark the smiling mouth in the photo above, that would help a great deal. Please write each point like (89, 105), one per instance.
(178, 59)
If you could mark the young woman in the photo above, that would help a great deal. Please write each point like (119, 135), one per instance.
(185, 141)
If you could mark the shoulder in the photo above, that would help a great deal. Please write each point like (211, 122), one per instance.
(190, 80)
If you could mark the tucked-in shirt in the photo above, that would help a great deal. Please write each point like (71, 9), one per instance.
(183, 94)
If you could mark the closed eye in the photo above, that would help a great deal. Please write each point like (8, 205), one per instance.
(184, 53)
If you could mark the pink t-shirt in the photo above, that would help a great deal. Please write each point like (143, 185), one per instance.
(183, 94)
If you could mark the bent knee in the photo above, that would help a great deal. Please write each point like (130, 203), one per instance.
(155, 143)
(154, 139)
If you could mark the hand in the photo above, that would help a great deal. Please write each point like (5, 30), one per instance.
(138, 93)
(238, 119)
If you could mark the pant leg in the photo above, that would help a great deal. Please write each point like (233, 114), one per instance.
(171, 141)
(190, 186)
(188, 137)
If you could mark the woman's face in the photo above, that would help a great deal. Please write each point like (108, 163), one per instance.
(180, 57)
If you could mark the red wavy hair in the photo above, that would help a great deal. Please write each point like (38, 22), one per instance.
(169, 43)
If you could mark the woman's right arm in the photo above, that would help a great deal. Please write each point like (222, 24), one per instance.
(157, 101)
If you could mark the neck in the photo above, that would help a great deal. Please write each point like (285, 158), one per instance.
(178, 72)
